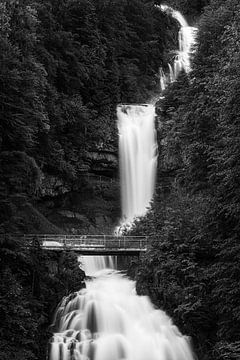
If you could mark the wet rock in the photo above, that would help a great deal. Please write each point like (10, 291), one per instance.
(103, 162)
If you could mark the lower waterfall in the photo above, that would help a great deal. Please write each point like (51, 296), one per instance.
(107, 320)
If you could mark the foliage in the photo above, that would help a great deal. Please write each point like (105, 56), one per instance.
(33, 282)
(175, 270)
(65, 65)
(19, 173)
(190, 8)
(192, 267)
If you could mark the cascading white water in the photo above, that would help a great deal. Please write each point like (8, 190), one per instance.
(186, 40)
(137, 143)
(92, 264)
(138, 158)
(108, 321)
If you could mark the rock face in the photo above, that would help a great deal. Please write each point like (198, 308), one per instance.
(91, 203)
(103, 162)
(170, 161)
(94, 208)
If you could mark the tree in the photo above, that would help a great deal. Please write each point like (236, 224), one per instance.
(192, 267)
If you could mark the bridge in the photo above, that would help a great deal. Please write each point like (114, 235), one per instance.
(90, 244)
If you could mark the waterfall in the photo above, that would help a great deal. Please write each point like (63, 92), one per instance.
(93, 264)
(137, 139)
(186, 41)
(138, 159)
(107, 320)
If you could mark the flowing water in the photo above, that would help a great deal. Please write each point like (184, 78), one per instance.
(138, 159)
(107, 320)
(137, 139)
(186, 42)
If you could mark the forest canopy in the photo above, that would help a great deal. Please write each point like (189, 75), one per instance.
(192, 268)
(64, 66)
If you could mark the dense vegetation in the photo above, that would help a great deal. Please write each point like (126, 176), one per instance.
(33, 281)
(64, 66)
(192, 269)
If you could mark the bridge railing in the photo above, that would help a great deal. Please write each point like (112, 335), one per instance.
(88, 241)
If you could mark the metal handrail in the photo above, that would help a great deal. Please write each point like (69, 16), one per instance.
(83, 237)
(86, 235)
(89, 241)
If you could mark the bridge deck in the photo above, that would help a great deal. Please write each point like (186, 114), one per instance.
(91, 244)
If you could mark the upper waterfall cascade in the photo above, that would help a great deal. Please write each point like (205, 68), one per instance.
(186, 42)
(107, 320)
(137, 138)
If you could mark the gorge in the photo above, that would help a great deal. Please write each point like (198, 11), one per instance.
(65, 67)
(107, 320)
